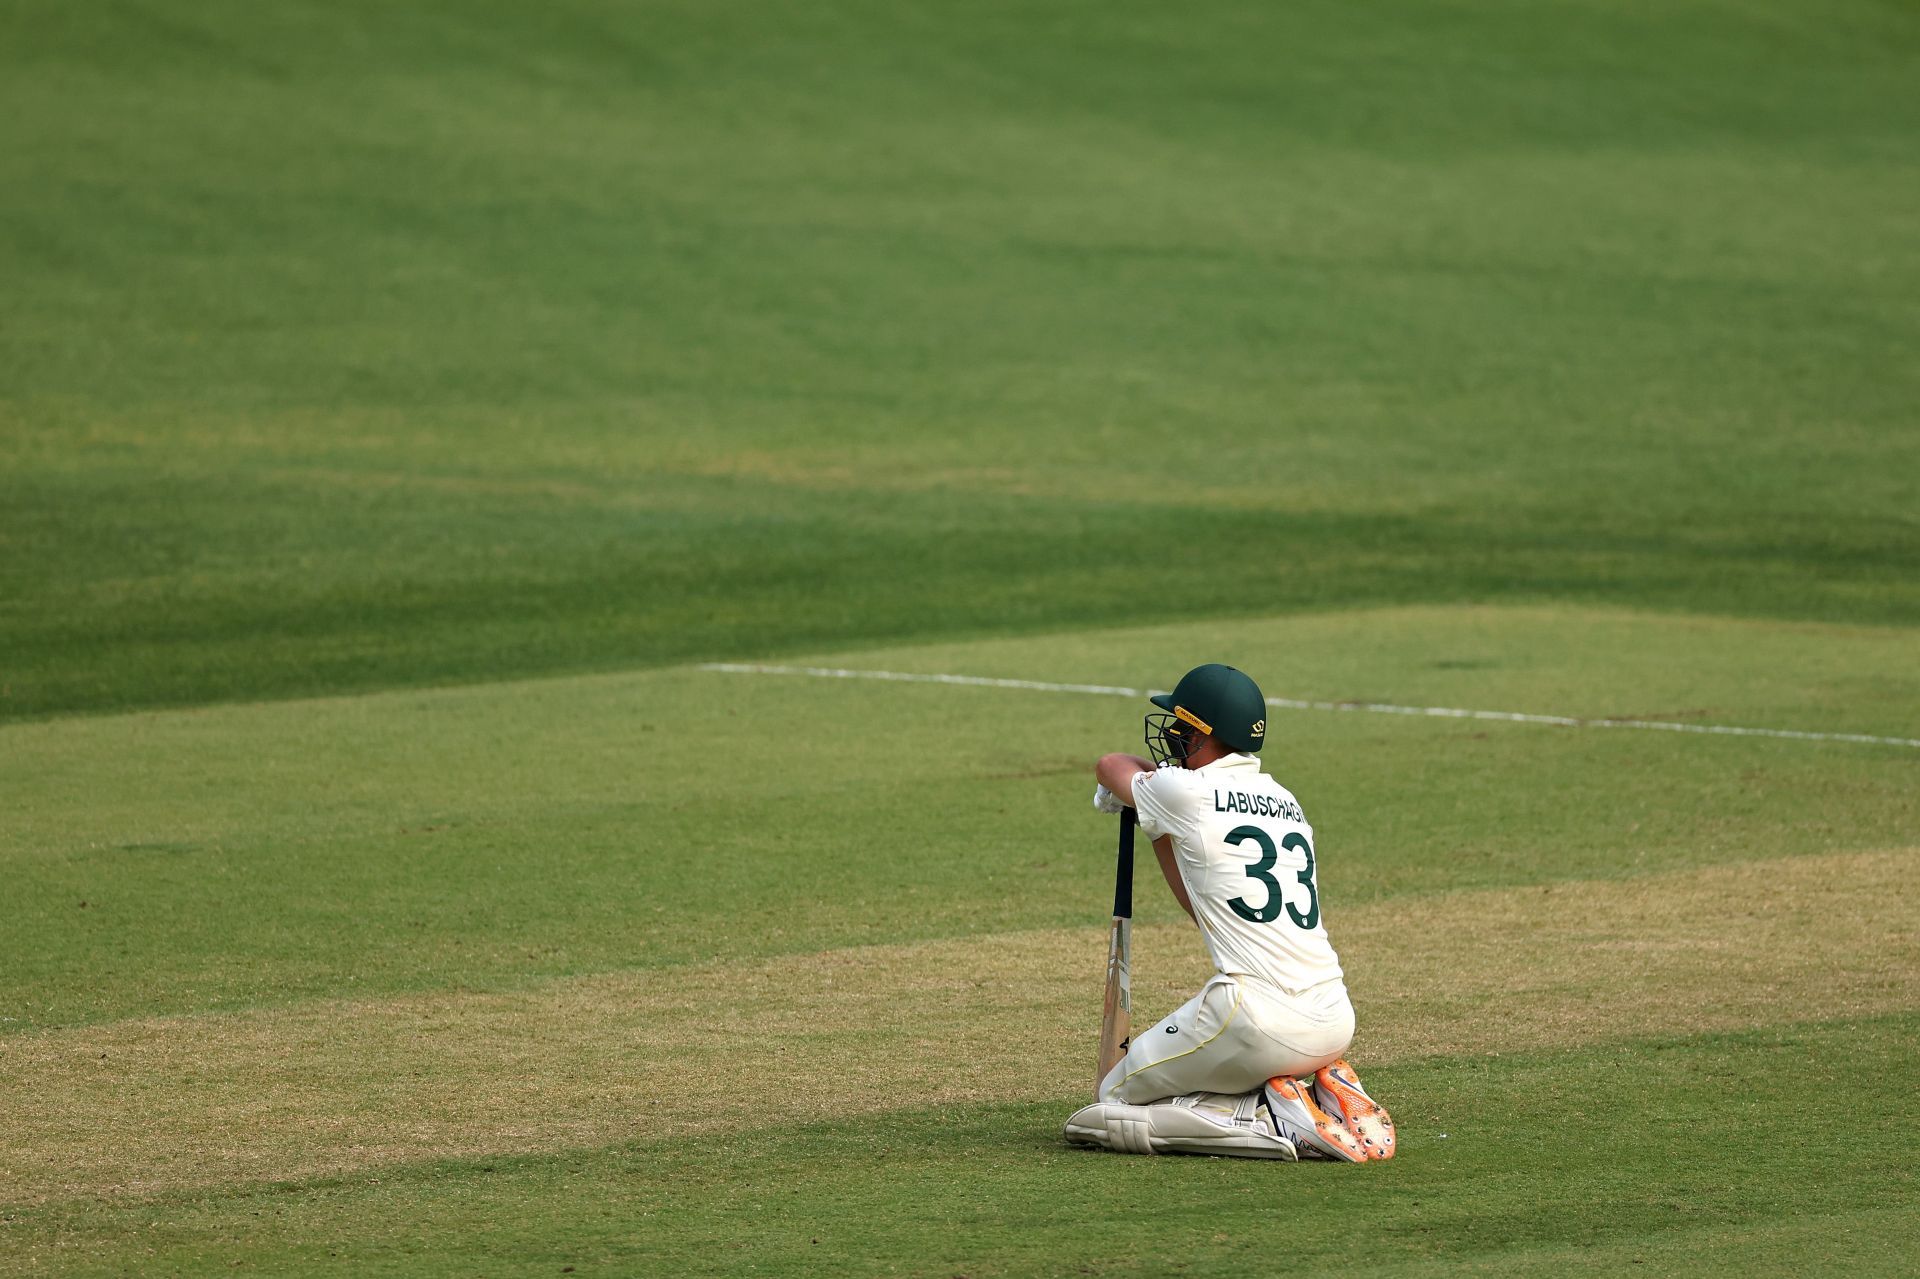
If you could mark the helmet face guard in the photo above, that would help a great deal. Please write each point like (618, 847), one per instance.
(1172, 737)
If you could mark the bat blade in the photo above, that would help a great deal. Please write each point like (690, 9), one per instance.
(1116, 1015)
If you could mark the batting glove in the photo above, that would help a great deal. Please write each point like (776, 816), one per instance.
(1105, 801)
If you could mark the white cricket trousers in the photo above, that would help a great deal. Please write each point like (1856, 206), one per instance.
(1236, 1034)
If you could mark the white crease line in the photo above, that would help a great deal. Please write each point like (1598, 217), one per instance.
(1289, 703)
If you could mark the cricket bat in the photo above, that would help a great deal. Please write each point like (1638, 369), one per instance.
(1116, 1018)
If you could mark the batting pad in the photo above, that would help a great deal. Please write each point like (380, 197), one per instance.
(1199, 1124)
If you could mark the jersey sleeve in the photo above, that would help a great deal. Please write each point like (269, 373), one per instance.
(1163, 802)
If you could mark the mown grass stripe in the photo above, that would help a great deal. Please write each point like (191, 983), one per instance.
(1524, 1163)
(1290, 703)
(149, 1105)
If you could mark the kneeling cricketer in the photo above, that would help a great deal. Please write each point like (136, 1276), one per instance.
(1254, 1064)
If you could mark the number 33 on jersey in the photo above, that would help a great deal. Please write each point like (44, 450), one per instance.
(1245, 853)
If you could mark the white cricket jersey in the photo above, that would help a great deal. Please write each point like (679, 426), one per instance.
(1245, 852)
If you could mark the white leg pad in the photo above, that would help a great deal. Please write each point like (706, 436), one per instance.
(1112, 1125)
(1169, 1128)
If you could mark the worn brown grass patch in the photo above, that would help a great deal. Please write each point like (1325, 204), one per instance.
(142, 1106)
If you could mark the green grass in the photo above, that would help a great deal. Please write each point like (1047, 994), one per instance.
(397, 404)
(1577, 1161)
(346, 348)
(241, 855)
(439, 842)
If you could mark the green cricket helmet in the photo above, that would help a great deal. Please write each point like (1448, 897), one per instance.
(1211, 699)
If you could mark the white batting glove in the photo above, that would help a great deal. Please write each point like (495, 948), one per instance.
(1105, 801)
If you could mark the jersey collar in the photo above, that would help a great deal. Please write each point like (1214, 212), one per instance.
(1234, 763)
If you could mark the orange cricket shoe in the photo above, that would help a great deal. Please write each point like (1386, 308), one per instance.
(1301, 1120)
(1337, 1089)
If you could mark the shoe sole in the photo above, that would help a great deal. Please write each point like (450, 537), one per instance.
(1322, 1133)
(1366, 1118)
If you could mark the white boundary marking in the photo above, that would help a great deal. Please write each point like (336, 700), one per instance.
(1289, 703)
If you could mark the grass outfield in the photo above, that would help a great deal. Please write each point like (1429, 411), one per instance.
(402, 407)
(984, 1190)
(346, 348)
(476, 978)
